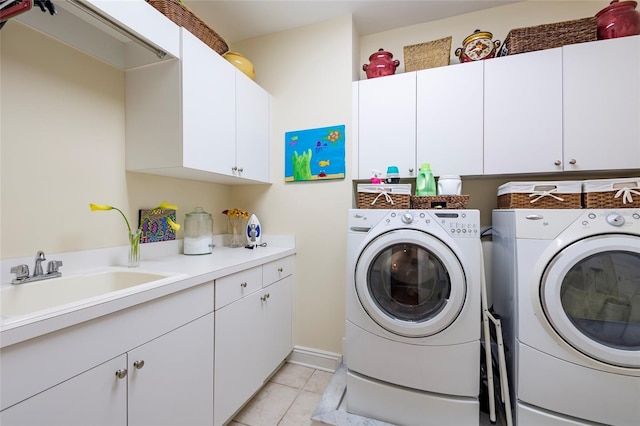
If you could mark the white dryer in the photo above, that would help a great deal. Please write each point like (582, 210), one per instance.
(567, 288)
(412, 347)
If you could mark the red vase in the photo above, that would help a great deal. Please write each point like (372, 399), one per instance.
(619, 19)
(380, 64)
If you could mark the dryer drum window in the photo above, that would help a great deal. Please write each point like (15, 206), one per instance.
(408, 282)
(600, 295)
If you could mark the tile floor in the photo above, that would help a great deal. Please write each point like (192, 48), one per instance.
(288, 399)
(295, 393)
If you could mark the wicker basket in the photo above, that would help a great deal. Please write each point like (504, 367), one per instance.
(549, 36)
(540, 195)
(611, 193)
(439, 202)
(375, 196)
(182, 16)
(431, 54)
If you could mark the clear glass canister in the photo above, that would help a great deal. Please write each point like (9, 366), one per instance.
(198, 232)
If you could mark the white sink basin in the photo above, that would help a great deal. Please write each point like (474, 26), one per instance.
(24, 299)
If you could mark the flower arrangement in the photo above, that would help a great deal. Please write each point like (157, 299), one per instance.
(134, 236)
(234, 216)
(236, 213)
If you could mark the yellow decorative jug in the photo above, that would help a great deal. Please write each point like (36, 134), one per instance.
(242, 63)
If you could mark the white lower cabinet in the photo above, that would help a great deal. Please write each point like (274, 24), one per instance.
(170, 379)
(95, 397)
(167, 381)
(253, 333)
(150, 364)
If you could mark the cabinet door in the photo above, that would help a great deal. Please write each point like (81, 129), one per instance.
(601, 89)
(450, 119)
(387, 124)
(174, 385)
(523, 113)
(95, 397)
(253, 131)
(238, 355)
(208, 112)
(277, 323)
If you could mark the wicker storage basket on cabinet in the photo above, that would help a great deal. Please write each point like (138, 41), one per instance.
(549, 36)
(380, 196)
(611, 193)
(540, 195)
(182, 16)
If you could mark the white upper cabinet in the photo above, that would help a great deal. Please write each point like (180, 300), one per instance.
(523, 113)
(253, 130)
(601, 87)
(110, 30)
(197, 118)
(450, 119)
(387, 125)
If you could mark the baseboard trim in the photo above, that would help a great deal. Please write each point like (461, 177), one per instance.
(315, 358)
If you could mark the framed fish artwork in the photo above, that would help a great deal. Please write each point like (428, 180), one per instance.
(314, 154)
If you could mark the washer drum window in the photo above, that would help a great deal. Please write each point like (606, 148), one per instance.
(410, 283)
(591, 295)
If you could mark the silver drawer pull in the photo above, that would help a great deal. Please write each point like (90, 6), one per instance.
(139, 364)
(280, 270)
(121, 374)
(243, 285)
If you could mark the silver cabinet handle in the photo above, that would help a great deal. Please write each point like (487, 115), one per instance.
(265, 297)
(572, 161)
(234, 168)
(121, 374)
(243, 285)
(280, 270)
(557, 163)
(138, 364)
(410, 170)
(240, 169)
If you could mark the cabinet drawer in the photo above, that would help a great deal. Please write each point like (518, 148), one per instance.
(277, 270)
(234, 286)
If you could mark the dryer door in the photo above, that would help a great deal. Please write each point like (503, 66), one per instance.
(410, 283)
(590, 294)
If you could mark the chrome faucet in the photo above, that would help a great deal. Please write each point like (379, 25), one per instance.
(22, 271)
(37, 270)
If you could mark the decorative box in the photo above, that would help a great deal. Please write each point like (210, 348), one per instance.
(611, 193)
(540, 195)
(432, 54)
(380, 196)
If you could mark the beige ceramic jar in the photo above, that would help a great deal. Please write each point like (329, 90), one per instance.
(242, 63)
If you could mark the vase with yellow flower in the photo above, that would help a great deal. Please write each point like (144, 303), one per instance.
(135, 234)
(236, 220)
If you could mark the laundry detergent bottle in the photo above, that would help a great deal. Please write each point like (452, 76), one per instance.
(425, 182)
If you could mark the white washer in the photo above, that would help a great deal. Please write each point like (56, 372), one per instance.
(567, 289)
(412, 345)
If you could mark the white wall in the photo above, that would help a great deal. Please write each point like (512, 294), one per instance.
(62, 147)
(308, 72)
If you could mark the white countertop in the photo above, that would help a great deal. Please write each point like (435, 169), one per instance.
(163, 258)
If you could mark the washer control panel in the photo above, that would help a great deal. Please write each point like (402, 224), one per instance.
(457, 223)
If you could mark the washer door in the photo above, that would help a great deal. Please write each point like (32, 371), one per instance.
(590, 294)
(410, 283)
